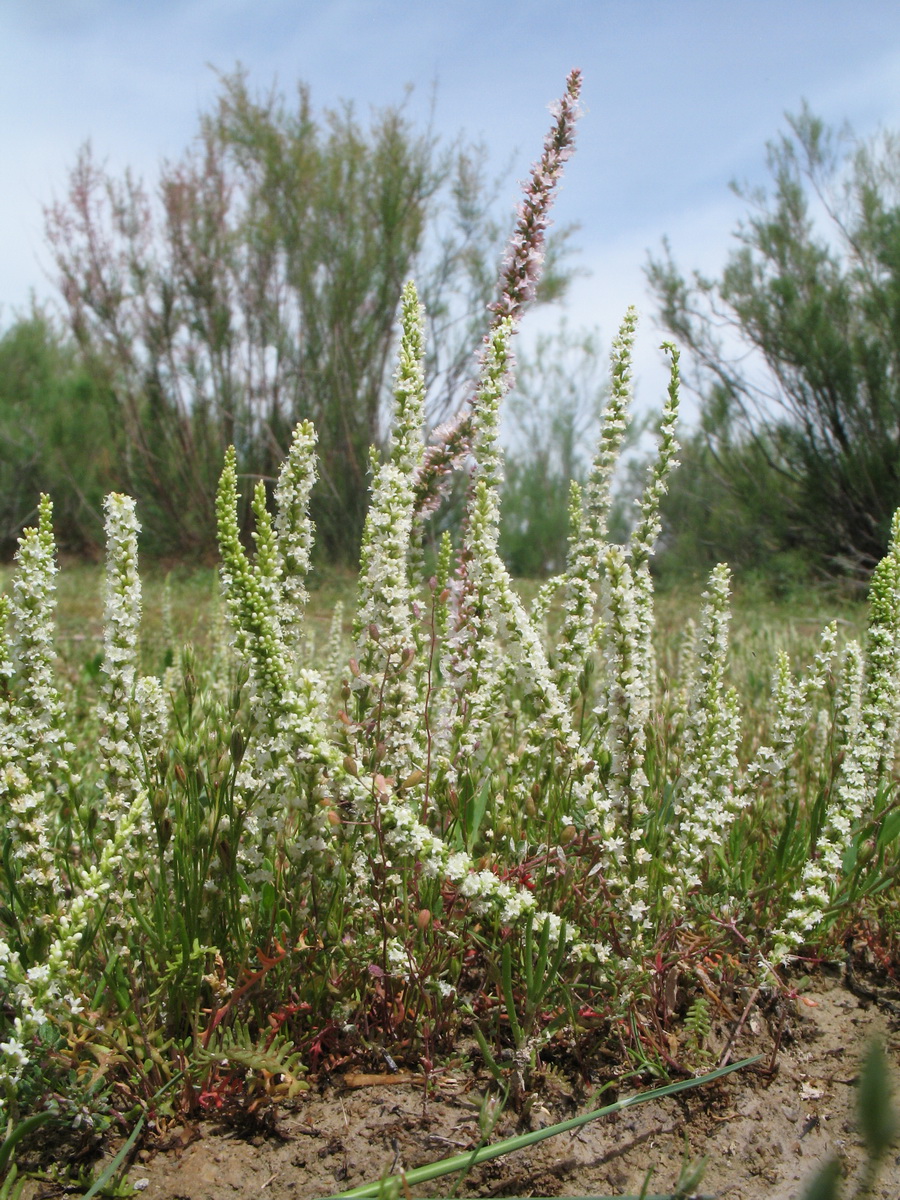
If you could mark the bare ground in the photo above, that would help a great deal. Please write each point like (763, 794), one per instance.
(764, 1131)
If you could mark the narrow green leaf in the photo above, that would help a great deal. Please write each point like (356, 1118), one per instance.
(529, 948)
(486, 1054)
(475, 812)
(509, 995)
(534, 995)
(21, 1130)
(890, 830)
(459, 1162)
(824, 1185)
(102, 1180)
(877, 1119)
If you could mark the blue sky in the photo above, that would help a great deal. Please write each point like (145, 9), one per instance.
(680, 97)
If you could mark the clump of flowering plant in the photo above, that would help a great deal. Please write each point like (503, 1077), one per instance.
(520, 808)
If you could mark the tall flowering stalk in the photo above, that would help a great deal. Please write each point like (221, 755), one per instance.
(865, 721)
(518, 281)
(646, 533)
(385, 632)
(495, 641)
(881, 701)
(282, 776)
(617, 808)
(36, 992)
(821, 873)
(120, 753)
(33, 610)
(25, 821)
(32, 739)
(625, 709)
(386, 643)
(485, 609)
(774, 765)
(587, 540)
(407, 440)
(474, 661)
(294, 531)
(709, 767)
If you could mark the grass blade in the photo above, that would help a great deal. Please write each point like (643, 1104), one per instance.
(21, 1130)
(458, 1162)
(102, 1180)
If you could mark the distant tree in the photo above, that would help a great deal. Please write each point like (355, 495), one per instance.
(260, 286)
(727, 504)
(56, 436)
(809, 419)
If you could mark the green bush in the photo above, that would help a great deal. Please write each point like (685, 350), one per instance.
(57, 435)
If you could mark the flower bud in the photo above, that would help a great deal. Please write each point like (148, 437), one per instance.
(238, 745)
(188, 678)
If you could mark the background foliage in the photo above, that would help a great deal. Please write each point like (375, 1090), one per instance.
(57, 435)
(259, 285)
(797, 356)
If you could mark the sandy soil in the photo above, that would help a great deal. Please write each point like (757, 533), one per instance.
(764, 1132)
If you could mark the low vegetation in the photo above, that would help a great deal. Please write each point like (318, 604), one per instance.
(456, 813)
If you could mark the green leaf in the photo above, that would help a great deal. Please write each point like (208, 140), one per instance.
(459, 1162)
(890, 829)
(850, 856)
(475, 812)
(825, 1182)
(21, 1130)
(117, 1163)
(877, 1119)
